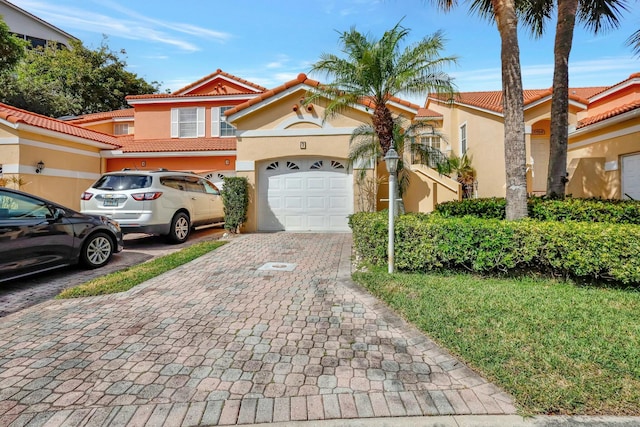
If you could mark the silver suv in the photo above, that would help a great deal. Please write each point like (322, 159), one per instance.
(161, 202)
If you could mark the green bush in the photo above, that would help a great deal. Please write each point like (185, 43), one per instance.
(573, 249)
(569, 209)
(235, 196)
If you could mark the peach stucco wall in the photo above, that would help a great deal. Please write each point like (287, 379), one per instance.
(70, 167)
(153, 121)
(588, 153)
(485, 136)
(183, 163)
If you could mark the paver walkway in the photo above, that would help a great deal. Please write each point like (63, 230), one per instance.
(232, 339)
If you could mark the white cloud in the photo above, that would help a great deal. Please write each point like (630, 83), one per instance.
(139, 27)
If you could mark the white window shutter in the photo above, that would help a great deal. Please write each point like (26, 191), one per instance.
(200, 112)
(215, 121)
(175, 132)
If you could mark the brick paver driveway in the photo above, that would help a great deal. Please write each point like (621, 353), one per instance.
(267, 328)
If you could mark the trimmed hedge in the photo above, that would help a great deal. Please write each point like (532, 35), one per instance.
(235, 196)
(570, 209)
(571, 249)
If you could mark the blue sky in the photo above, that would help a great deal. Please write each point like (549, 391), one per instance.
(270, 42)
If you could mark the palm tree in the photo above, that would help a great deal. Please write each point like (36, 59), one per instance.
(595, 15)
(634, 42)
(374, 71)
(504, 13)
(365, 148)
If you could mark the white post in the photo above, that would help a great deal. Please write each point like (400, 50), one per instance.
(392, 216)
(391, 159)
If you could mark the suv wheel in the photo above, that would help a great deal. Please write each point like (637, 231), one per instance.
(180, 228)
(97, 250)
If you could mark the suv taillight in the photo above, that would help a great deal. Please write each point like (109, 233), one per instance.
(146, 196)
(86, 196)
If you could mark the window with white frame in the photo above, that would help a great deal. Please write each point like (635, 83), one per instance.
(187, 122)
(219, 124)
(463, 139)
(121, 129)
(430, 140)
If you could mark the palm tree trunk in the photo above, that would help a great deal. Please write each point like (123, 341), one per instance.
(557, 175)
(513, 106)
(382, 121)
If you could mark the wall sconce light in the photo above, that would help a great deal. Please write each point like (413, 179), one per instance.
(303, 145)
(227, 162)
(295, 107)
(39, 166)
(310, 107)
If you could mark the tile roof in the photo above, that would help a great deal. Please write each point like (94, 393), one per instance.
(211, 76)
(94, 117)
(303, 79)
(426, 113)
(609, 114)
(492, 100)
(131, 145)
(18, 116)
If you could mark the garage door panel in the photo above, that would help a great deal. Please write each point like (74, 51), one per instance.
(291, 183)
(293, 202)
(293, 222)
(274, 203)
(339, 203)
(314, 196)
(275, 183)
(317, 202)
(318, 183)
(338, 183)
(316, 222)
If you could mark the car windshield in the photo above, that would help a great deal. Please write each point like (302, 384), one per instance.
(122, 182)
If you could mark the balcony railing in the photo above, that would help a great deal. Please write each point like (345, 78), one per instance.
(431, 157)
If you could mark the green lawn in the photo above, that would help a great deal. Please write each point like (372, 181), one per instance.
(126, 279)
(556, 347)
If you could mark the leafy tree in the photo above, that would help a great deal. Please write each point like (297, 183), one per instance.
(11, 48)
(504, 13)
(594, 15)
(57, 82)
(376, 70)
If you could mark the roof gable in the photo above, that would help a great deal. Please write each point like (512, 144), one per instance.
(220, 83)
(302, 82)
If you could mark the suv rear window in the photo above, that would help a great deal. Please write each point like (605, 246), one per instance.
(123, 182)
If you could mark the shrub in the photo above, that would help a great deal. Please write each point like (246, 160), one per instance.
(574, 249)
(235, 196)
(569, 209)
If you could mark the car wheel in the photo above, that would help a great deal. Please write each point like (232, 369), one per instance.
(97, 250)
(180, 228)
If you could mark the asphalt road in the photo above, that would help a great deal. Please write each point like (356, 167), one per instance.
(22, 293)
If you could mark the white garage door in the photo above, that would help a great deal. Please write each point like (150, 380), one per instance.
(304, 195)
(631, 177)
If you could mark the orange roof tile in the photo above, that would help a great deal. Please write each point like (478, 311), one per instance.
(218, 72)
(131, 145)
(608, 114)
(94, 117)
(170, 95)
(303, 79)
(426, 113)
(492, 100)
(18, 116)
